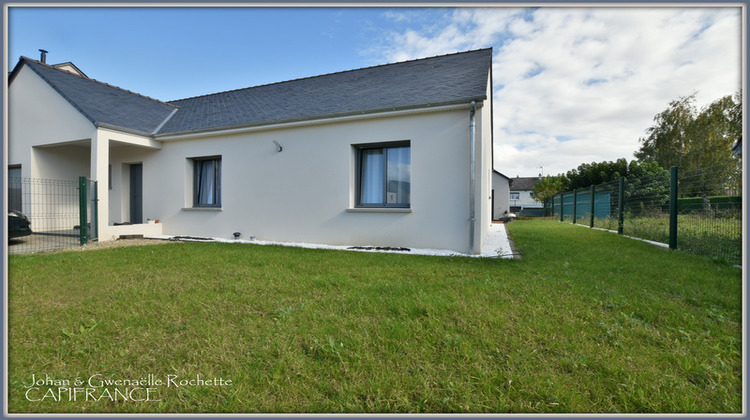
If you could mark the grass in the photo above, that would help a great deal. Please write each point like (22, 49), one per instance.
(586, 322)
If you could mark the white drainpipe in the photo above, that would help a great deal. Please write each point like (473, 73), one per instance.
(472, 182)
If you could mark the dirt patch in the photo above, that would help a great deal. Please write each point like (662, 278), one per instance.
(117, 244)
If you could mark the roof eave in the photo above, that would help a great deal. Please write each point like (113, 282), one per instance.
(501, 174)
(123, 129)
(467, 101)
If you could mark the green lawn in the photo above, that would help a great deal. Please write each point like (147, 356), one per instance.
(586, 322)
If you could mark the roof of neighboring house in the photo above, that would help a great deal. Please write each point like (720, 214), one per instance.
(70, 67)
(442, 80)
(523, 183)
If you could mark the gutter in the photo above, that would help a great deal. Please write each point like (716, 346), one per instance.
(472, 180)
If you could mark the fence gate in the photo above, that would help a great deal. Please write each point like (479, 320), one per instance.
(88, 210)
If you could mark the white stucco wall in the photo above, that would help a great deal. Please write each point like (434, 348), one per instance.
(484, 166)
(37, 116)
(306, 192)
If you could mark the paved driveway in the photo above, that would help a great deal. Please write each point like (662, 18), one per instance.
(38, 242)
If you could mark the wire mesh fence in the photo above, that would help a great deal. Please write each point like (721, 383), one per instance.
(646, 207)
(44, 214)
(706, 217)
(710, 214)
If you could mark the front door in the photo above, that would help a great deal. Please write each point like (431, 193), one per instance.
(136, 193)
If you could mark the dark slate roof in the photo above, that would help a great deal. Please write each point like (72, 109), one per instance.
(442, 80)
(523, 184)
(104, 105)
(447, 79)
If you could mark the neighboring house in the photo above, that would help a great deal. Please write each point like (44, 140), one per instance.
(378, 156)
(521, 202)
(500, 195)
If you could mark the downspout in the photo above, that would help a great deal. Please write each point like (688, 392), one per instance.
(472, 180)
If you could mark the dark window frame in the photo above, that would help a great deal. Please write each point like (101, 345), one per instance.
(197, 172)
(15, 189)
(360, 176)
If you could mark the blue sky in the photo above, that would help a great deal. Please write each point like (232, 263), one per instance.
(571, 85)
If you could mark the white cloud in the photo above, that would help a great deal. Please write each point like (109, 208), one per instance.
(575, 85)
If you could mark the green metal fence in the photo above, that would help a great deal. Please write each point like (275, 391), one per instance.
(699, 211)
(50, 214)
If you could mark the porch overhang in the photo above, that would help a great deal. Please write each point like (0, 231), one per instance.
(104, 142)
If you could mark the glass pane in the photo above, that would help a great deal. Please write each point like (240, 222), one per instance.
(399, 175)
(207, 181)
(14, 189)
(371, 181)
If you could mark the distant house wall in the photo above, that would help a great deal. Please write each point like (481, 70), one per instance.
(306, 193)
(501, 194)
(524, 199)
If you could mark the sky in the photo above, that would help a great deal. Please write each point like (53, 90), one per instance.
(571, 85)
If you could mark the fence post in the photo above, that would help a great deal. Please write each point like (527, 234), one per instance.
(673, 207)
(82, 206)
(94, 228)
(562, 206)
(593, 194)
(621, 207)
(575, 205)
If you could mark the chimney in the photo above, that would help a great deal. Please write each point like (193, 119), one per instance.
(43, 59)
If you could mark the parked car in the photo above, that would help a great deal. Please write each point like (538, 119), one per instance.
(18, 224)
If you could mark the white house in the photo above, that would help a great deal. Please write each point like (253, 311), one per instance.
(391, 155)
(521, 201)
(500, 195)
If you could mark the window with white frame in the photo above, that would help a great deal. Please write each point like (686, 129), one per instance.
(384, 175)
(515, 195)
(207, 182)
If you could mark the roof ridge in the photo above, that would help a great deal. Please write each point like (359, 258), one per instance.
(99, 82)
(330, 74)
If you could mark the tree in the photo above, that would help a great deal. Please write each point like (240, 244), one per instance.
(548, 186)
(595, 173)
(588, 174)
(666, 140)
(690, 139)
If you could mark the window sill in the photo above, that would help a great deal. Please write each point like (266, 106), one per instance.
(379, 210)
(202, 209)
